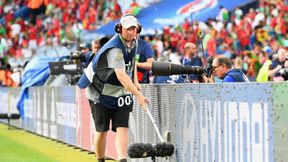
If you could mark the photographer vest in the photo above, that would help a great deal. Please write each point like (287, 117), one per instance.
(111, 92)
(237, 75)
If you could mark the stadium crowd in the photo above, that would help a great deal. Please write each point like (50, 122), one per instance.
(249, 38)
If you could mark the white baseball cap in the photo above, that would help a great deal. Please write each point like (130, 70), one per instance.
(128, 21)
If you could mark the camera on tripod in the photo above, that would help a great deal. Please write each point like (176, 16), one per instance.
(70, 66)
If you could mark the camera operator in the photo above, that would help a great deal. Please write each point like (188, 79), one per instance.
(86, 54)
(96, 45)
(90, 50)
(222, 68)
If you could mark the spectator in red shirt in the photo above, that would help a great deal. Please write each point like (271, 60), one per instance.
(211, 43)
(251, 14)
(185, 25)
(18, 52)
(82, 10)
(1, 10)
(9, 16)
(174, 39)
(244, 38)
(117, 9)
(86, 23)
(92, 15)
(32, 32)
(65, 16)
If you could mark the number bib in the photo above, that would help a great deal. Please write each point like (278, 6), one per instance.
(121, 102)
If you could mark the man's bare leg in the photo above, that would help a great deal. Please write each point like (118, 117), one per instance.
(121, 142)
(100, 144)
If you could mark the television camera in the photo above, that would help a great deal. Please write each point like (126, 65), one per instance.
(72, 65)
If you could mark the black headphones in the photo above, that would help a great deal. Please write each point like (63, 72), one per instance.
(118, 26)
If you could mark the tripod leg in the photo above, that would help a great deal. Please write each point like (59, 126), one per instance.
(9, 127)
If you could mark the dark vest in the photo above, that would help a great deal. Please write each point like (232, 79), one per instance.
(142, 74)
(112, 93)
(237, 75)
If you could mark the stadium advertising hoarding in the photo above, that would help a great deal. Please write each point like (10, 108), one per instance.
(219, 122)
(52, 112)
(224, 129)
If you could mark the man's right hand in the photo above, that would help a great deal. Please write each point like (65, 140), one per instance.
(143, 101)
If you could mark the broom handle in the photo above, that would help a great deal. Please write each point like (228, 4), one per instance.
(154, 124)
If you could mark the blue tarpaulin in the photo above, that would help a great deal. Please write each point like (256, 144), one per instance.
(35, 74)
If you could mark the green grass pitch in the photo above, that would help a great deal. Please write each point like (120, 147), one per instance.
(20, 146)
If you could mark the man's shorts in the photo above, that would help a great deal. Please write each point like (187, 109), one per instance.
(102, 117)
